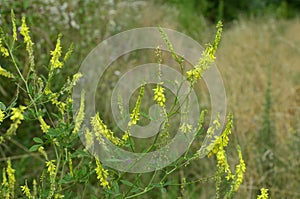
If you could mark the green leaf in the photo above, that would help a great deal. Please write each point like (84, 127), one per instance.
(38, 140)
(67, 179)
(135, 190)
(116, 186)
(80, 174)
(127, 183)
(25, 4)
(2, 106)
(34, 148)
(53, 132)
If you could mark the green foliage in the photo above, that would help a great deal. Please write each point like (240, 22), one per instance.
(229, 10)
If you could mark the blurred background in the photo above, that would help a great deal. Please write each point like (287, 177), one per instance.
(259, 59)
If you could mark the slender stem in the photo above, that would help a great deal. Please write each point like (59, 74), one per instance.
(25, 82)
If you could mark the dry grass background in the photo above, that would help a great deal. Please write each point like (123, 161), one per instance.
(250, 50)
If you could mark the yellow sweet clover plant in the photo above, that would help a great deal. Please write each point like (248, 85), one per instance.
(67, 164)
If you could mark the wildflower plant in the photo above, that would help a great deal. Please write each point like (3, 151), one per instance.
(67, 169)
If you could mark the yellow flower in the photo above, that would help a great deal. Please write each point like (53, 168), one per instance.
(17, 117)
(263, 194)
(134, 116)
(126, 136)
(34, 187)
(51, 170)
(58, 196)
(102, 175)
(25, 31)
(56, 54)
(223, 164)
(54, 100)
(43, 125)
(27, 39)
(17, 114)
(26, 191)
(3, 50)
(80, 115)
(1, 116)
(240, 170)
(220, 141)
(194, 74)
(101, 129)
(159, 96)
(5, 73)
(51, 167)
(11, 177)
(207, 58)
(76, 77)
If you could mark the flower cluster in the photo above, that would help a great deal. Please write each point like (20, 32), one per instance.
(26, 191)
(11, 177)
(207, 58)
(159, 96)
(56, 54)
(134, 116)
(102, 175)
(27, 40)
(239, 170)
(101, 129)
(3, 50)
(44, 126)
(263, 194)
(5, 73)
(17, 114)
(1, 116)
(17, 117)
(218, 145)
(126, 136)
(51, 169)
(62, 105)
(221, 142)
